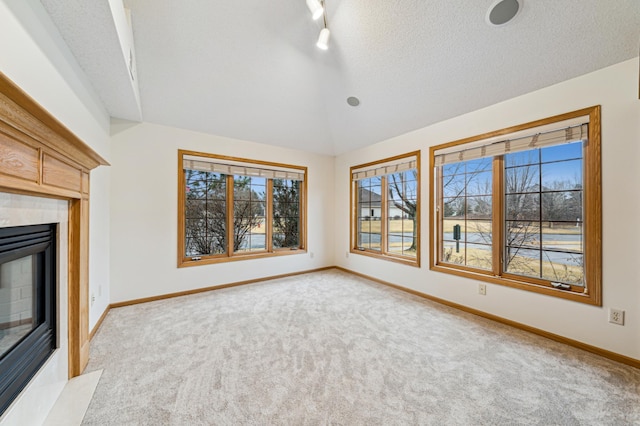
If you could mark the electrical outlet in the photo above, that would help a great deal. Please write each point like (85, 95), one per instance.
(346, 254)
(482, 289)
(93, 299)
(616, 316)
(311, 254)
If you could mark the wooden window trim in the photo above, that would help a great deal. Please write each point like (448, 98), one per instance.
(353, 223)
(230, 256)
(592, 292)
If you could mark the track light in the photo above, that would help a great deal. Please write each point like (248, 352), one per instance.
(316, 9)
(323, 39)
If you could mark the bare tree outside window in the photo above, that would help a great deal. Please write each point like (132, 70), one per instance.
(543, 213)
(403, 196)
(205, 213)
(249, 213)
(467, 203)
(286, 213)
(543, 218)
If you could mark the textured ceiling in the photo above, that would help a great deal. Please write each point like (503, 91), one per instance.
(250, 70)
(89, 30)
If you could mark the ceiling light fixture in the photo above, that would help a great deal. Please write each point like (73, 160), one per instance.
(316, 9)
(323, 38)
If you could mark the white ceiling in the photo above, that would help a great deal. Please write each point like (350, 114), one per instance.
(250, 70)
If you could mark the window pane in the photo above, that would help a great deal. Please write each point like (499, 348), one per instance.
(369, 206)
(563, 267)
(522, 234)
(562, 206)
(562, 175)
(466, 225)
(562, 236)
(452, 253)
(453, 207)
(544, 210)
(522, 158)
(475, 166)
(568, 151)
(286, 213)
(479, 207)
(479, 256)
(395, 242)
(479, 183)
(478, 231)
(454, 185)
(522, 179)
(205, 213)
(400, 238)
(403, 184)
(523, 207)
(448, 226)
(474, 246)
(523, 262)
(401, 212)
(452, 169)
(249, 214)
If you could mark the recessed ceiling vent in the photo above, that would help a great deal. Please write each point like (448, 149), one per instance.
(503, 11)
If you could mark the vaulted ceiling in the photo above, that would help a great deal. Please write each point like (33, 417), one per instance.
(250, 69)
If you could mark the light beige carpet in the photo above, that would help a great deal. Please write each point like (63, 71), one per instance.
(332, 348)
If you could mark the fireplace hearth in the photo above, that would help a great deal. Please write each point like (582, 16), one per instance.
(27, 305)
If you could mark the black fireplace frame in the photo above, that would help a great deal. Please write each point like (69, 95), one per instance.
(23, 360)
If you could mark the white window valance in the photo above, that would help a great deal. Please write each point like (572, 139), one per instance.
(515, 142)
(386, 168)
(232, 167)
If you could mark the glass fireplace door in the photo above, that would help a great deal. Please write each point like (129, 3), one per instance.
(27, 305)
(17, 299)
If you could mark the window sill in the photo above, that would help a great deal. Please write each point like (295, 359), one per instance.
(187, 262)
(575, 296)
(409, 261)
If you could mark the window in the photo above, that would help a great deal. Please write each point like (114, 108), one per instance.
(522, 207)
(385, 208)
(233, 208)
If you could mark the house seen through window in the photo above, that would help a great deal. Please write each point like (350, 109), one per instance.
(385, 208)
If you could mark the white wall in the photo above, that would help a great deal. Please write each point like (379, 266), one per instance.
(616, 89)
(34, 56)
(144, 212)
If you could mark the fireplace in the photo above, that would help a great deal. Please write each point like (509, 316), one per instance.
(27, 305)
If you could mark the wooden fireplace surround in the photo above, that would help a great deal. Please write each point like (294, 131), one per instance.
(39, 156)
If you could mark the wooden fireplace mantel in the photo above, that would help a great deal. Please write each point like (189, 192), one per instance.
(40, 156)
